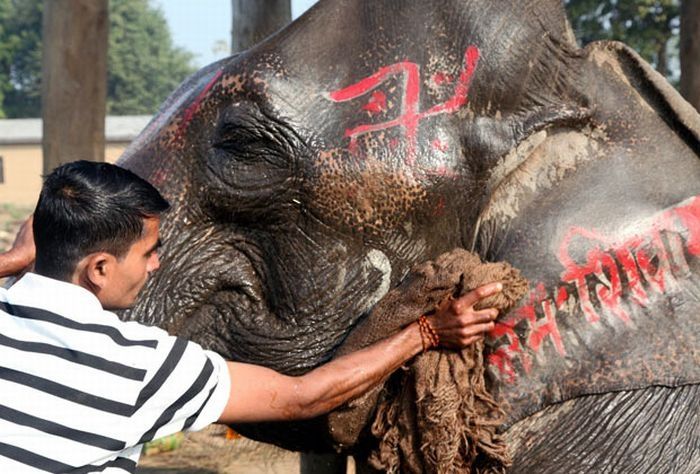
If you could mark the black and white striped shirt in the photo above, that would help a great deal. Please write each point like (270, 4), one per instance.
(81, 390)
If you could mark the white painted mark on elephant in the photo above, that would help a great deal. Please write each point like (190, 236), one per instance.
(505, 166)
(340, 253)
(515, 157)
(538, 164)
(377, 260)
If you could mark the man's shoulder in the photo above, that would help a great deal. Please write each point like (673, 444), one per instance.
(136, 328)
(54, 296)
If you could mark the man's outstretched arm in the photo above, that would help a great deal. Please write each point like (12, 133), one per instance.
(261, 394)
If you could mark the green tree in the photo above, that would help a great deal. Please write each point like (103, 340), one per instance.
(651, 27)
(5, 53)
(143, 64)
(20, 58)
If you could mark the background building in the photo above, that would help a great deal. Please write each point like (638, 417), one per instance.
(21, 154)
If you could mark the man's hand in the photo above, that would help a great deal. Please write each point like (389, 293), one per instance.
(458, 324)
(260, 394)
(23, 252)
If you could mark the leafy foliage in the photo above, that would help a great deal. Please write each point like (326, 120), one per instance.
(143, 64)
(651, 27)
(20, 57)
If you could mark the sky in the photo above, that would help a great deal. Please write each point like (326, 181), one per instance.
(203, 27)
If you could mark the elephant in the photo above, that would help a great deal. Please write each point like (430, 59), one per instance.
(308, 174)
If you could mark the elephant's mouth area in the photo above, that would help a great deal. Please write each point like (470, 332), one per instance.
(216, 296)
(208, 321)
(205, 278)
(229, 314)
(217, 289)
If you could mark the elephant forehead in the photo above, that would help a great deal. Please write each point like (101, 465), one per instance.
(218, 87)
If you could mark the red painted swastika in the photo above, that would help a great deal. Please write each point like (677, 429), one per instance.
(376, 104)
(410, 115)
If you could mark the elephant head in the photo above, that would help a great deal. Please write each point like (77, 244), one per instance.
(309, 173)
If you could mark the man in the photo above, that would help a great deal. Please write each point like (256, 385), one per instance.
(81, 390)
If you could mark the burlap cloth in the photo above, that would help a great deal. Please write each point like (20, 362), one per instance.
(435, 416)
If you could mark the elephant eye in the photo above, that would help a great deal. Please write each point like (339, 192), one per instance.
(232, 145)
(251, 160)
(254, 139)
(235, 139)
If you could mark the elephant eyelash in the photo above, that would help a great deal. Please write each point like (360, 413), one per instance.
(248, 149)
(233, 145)
(256, 136)
(250, 140)
(235, 136)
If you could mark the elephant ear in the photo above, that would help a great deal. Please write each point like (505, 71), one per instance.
(568, 198)
(572, 116)
(652, 87)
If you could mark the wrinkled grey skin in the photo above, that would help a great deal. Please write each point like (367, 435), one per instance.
(308, 174)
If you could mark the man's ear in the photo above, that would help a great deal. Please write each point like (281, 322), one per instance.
(97, 270)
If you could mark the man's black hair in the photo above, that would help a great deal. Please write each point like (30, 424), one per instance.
(88, 207)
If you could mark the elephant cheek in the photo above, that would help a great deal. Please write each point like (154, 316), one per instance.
(205, 281)
(368, 197)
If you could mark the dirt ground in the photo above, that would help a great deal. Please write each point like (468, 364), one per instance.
(209, 452)
(204, 452)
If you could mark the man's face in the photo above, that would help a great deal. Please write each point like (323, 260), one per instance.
(131, 271)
